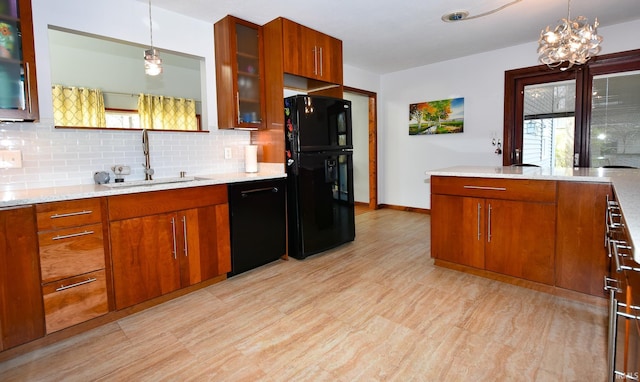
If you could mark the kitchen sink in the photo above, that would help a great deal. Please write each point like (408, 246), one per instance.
(148, 183)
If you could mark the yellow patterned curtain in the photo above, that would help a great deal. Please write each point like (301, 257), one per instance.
(167, 113)
(73, 106)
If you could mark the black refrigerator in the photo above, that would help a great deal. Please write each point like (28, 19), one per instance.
(320, 204)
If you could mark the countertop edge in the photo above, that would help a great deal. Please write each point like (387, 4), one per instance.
(15, 198)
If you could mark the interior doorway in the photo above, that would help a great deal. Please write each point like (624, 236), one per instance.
(365, 146)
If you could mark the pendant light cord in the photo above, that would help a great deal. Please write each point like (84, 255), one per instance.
(150, 25)
(492, 11)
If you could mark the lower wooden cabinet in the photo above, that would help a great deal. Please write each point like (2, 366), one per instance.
(21, 310)
(499, 225)
(74, 300)
(581, 257)
(72, 261)
(520, 239)
(181, 237)
(543, 231)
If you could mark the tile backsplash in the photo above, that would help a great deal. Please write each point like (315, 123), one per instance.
(60, 157)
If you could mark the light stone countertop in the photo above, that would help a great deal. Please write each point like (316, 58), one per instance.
(12, 198)
(626, 185)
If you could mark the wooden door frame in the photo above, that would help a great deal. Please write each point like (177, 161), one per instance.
(373, 143)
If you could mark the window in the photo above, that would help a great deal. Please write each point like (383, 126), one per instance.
(588, 116)
(122, 119)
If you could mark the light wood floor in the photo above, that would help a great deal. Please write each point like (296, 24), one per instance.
(373, 310)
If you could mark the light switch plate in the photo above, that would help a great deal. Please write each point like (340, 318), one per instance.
(10, 159)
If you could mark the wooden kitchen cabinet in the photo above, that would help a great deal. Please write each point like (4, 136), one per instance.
(21, 309)
(240, 80)
(520, 239)
(311, 54)
(72, 261)
(166, 240)
(18, 87)
(497, 225)
(581, 257)
(458, 224)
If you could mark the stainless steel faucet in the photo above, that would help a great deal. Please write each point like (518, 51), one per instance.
(148, 171)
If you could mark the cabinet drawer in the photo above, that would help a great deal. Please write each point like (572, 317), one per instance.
(74, 300)
(157, 202)
(543, 191)
(70, 213)
(69, 252)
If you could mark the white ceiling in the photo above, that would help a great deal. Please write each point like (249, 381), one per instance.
(383, 36)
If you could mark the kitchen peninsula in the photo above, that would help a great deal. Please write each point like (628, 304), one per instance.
(543, 228)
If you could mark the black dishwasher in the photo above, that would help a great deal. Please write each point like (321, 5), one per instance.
(257, 216)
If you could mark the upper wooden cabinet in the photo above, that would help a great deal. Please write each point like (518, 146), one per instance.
(311, 54)
(240, 78)
(18, 87)
(21, 310)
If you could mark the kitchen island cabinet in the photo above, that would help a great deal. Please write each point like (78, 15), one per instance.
(166, 240)
(495, 225)
(21, 310)
(581, 257)
(571, 237)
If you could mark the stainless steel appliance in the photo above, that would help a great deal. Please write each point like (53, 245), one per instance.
(319, 151)
(623, 285)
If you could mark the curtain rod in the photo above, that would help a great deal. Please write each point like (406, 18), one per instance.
(124, 94)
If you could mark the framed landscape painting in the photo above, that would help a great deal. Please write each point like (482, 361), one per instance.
(437, 117)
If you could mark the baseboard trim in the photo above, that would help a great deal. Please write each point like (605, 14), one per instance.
(408, 209)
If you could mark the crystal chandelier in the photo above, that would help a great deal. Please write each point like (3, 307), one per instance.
(571, 42)
(152, 60)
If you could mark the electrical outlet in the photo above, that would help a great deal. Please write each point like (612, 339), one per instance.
(227, 153)
(121, 169)
(10, 159)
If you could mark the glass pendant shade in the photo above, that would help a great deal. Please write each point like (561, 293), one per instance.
(152, 62)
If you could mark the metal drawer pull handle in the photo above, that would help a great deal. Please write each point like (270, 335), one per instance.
(56, 216)
(246, 193)
(76, 284)
(184, 233)
(60, 237)
(611, 285)
(486, 188)
(173, 232)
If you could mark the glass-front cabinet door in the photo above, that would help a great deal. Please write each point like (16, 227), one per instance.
(239, 74)
(18, 90)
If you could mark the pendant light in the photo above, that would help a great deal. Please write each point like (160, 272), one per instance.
(571, 42)
(152, 61)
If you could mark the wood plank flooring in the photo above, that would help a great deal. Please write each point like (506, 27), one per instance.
(372, 310)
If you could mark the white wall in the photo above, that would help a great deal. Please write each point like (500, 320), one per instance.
(403, 159)
(54, 157)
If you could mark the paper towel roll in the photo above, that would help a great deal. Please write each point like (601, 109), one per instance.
(251, 158)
